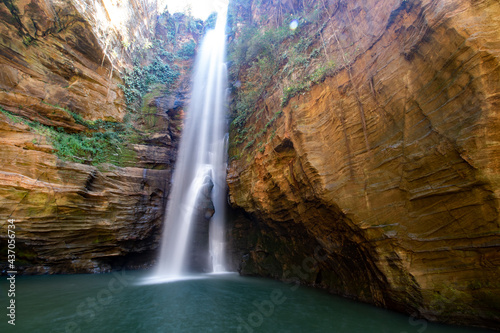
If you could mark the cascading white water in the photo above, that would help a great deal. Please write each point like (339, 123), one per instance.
(202, 157)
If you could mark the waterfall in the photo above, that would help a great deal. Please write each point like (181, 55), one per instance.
(201, 160)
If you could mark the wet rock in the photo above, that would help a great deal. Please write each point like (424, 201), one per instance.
(200, 259)
(389, 167)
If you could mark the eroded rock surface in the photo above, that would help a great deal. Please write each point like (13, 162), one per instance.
(381, 182)
(75, 218)
(60, 66)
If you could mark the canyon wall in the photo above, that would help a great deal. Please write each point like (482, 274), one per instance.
(84, 176)
(371, 168)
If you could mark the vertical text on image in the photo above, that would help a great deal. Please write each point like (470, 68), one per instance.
(11, 271)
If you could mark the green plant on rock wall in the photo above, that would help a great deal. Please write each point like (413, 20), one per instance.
(139, 79)
(270, 61)
(101, 142)
(155, 62)
(13, 118)
(154, 65)
(187, 50)
(210, 21)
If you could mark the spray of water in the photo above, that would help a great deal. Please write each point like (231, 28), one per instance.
(202, 158)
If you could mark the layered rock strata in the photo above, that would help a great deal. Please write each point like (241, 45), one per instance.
(60, 67)
(381, 182)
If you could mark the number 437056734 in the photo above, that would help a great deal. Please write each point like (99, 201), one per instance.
(12, 243)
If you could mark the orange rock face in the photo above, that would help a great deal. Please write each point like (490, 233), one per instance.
(382, 181)
(57, 56)
(49, 56)
(75, 218)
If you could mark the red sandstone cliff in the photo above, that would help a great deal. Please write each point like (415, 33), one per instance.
(61, 64)
(387, 161)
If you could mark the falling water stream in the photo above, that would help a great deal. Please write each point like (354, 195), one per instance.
(126, 302)
(201, 161)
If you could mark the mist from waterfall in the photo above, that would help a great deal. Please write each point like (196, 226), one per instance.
(201, 161)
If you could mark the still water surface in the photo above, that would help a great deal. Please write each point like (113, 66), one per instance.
(123, 302)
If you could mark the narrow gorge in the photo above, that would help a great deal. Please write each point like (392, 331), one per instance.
(363, 153)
